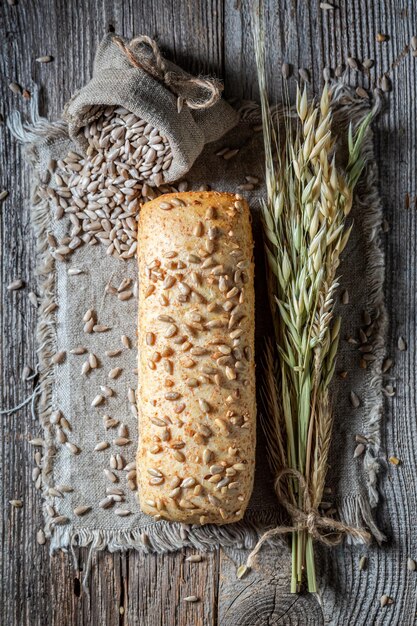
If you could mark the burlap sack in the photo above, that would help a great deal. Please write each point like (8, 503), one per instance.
(187, 110)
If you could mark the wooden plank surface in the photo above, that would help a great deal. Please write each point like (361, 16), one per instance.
(207, 36)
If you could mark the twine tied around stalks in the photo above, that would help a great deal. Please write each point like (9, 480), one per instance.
(195, 92)
(323, 529)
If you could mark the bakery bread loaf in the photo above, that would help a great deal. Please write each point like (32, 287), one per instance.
(196, 399)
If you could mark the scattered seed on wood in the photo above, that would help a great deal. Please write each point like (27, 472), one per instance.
(15, 284)
(339, 71)
(15, 88)
(327, 73)
(353, 63)
(37, 442)
(394, 460)
(3, 195)
(304, 74)
(47, 58)
(122, 512)
(362, 93)
(242, 570)
(411, 565)
(285, 71)
(194, 558)
(40, 537)
(326, 6)
(26, 372)
(413, 42)
(386, 84)
(401, 344)
(33, 298)
(363, 562)
(384, 600)
(191, 599)
(381, 37)
(368, 63)
(16, 504)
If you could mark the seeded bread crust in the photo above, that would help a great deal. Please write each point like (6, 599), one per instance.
(196, 400)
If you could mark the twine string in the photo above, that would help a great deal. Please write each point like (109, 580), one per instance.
(325, 530)
(196, 92)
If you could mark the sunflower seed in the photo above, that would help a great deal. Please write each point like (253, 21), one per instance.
(304, 74)
(194, 558)
(16, 504)
(122, 441)
(59, 357)
(115, 372)
(360, 449)
(111, 476)
(103, 445)
(99, 399)
(126, 341)
(106, 503)
(82, 510)
(386, 365)
(363, 562)
(113, 353)
(353, 63)
(15, 285)
(15, 88)
(386, 84)
(79, 350)
(354, 400)
(33, 298)
(401, 344)
(72, 447)
(45, 59)
(60, 520)
(411, 565)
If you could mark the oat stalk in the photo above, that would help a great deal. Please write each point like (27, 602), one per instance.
(304, 214)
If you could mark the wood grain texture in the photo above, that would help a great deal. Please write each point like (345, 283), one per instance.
(208, 36)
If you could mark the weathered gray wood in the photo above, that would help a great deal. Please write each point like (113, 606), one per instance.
(210, 36)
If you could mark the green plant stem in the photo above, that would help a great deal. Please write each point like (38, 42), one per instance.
(310, 567)
(294, 585)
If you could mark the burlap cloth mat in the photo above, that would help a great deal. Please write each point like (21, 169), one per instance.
(352, 483)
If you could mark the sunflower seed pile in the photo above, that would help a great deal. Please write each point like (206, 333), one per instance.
(101, 193)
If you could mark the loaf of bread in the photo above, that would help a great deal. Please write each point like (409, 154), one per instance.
(196, 399)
